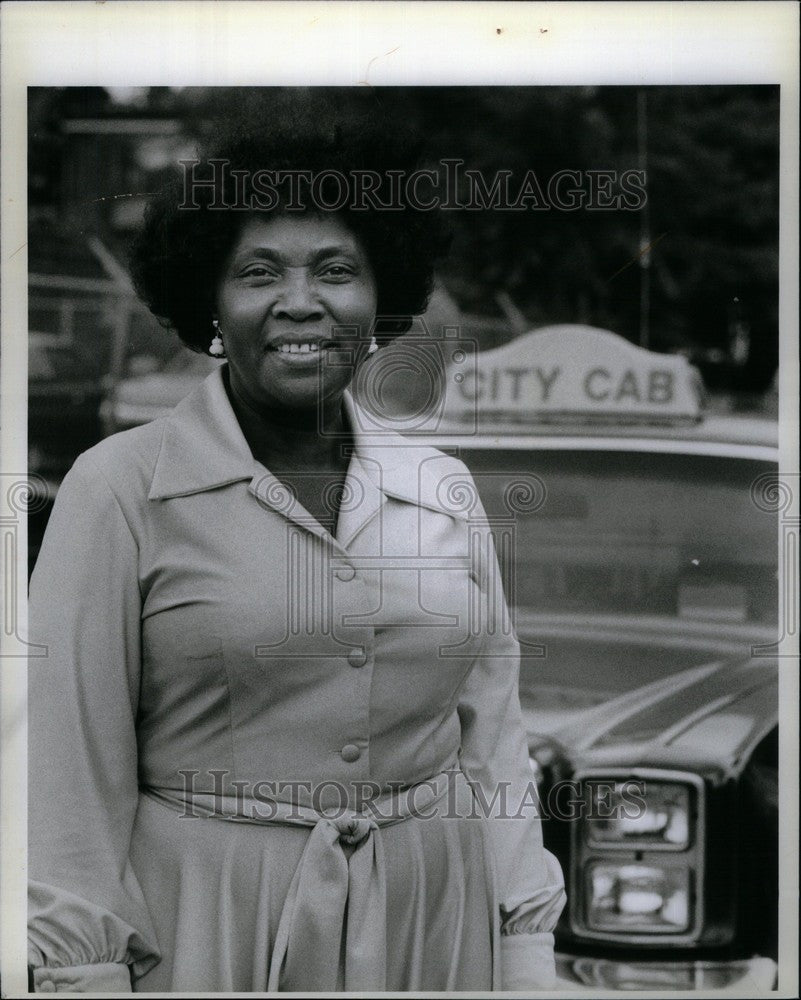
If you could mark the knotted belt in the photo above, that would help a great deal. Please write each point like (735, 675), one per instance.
(335, 912)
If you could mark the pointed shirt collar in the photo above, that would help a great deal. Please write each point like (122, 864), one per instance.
(203, 448)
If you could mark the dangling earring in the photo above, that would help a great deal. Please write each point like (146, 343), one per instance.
(373, 345)
(217, 348)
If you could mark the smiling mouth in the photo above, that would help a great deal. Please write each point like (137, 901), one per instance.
(310, 348)
(301, 347)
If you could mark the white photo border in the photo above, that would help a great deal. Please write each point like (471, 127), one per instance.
(187, 43)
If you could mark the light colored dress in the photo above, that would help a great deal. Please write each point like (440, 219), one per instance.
(265, 758)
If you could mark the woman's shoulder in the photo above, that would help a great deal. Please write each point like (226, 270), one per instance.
(418, 452)
(126, 460)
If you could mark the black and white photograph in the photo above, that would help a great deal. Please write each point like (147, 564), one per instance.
(404, 528)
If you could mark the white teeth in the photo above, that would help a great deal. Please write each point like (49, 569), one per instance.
(298, 348)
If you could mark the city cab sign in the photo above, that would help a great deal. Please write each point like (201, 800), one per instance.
(572, 373)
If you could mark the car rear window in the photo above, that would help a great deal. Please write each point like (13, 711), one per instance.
(636, 533)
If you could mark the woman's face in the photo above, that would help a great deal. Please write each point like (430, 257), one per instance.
(296, 304)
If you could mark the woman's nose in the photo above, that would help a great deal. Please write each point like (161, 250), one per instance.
(297, 299)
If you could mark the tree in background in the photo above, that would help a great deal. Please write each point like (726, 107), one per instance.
(712, 187)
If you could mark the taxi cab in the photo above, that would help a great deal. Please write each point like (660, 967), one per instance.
(643, 580)
(638, 543)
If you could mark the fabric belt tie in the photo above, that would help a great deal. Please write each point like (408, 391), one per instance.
(331, 894)
(334, 914)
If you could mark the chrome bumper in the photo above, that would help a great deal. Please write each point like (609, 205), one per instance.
(587, 976)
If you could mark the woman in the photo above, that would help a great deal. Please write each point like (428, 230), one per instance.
(269, 708)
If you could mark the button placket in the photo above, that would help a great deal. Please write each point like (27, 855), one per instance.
(348, 602)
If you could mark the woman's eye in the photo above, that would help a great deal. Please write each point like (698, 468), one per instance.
(337, 271)
(258, 271)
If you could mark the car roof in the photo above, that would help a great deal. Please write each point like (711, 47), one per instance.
(736, 436)
(537, 392)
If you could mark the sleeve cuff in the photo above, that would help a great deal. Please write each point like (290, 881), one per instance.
(527, 962)
(103, 977)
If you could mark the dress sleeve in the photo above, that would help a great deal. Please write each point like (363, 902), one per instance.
(495, 757)
(88, 923)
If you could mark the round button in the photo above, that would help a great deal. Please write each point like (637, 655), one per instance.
(350, 752)
(357, 657)
(346, 573)
(45, 986)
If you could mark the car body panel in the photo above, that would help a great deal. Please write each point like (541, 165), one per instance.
(707, 720)
(589, 976)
